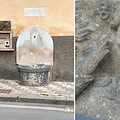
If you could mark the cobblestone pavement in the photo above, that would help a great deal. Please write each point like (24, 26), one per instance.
(53, 91)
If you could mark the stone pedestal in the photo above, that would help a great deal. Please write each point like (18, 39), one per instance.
(34, 75)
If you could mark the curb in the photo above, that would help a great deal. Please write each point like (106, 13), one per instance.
(39, 99)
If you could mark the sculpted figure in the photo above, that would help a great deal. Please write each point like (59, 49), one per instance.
(98, 59)
(89, 63)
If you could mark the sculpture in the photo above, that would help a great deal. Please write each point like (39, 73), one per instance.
(98, 59)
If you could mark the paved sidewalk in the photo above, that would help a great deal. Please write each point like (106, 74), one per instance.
(53, 93)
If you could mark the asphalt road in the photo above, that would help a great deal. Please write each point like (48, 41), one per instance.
(13, 111)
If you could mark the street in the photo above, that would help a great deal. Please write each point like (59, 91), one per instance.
(30, 111)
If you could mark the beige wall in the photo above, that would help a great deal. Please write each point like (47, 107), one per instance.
(58, 19)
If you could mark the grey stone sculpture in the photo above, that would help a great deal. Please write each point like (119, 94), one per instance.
(98, 59)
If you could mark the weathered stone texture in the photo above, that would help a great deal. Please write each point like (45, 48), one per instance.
(34, 46)
(98, 58)
(5, 25)
(63, 58)
(34, 75)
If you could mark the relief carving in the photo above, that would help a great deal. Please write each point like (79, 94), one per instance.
(5, 26)
(98, 59)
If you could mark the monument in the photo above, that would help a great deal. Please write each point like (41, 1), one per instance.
(35, 56)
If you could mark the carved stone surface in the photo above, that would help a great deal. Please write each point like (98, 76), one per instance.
(5, 25)
(34, 75)
(98, 58)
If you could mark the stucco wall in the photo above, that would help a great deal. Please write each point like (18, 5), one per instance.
(58, 19)
(8, 67)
